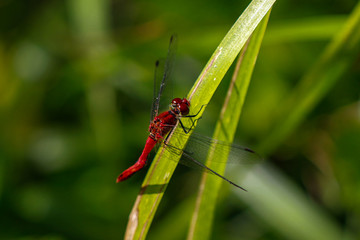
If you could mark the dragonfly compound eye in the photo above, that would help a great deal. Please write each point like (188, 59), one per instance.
(184, 109)
(185, 101)
(176, 102)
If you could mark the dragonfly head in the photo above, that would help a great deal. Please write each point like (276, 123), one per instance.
(180, 106)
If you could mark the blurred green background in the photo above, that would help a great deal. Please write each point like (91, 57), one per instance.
(76, 83)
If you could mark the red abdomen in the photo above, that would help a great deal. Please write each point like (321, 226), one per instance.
(159, 127)
(150, 144)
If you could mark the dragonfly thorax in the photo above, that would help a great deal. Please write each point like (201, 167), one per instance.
(180, 106)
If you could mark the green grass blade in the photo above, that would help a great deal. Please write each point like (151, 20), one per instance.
(226, 126)
(332, 64)
(164, 163)
(273, 197)
(175, 222)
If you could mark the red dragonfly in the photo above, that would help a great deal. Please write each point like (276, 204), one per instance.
(159, 127)
(165, 122)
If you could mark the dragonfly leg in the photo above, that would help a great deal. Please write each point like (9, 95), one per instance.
(182, 125)
(193, 122)
(195, 115)
(173, 149)
(191, 127)
(167, 137)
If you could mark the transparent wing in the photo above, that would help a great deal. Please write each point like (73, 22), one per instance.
(160, 81)
(199, 146)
